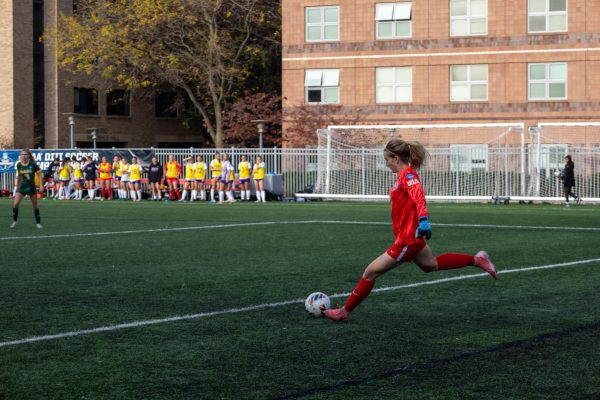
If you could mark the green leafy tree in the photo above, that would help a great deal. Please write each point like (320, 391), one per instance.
(207, 49)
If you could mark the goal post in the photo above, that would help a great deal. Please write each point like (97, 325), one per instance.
(466, 161)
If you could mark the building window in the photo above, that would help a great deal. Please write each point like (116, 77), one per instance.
(547, 16)
(165, 105)
(468, 157)
(468, 17)
(322, 23)
(469, 82)
(322, 86)
(117, 102)
(548, 81)
(86, 101)
(393, 20)
(394, 85)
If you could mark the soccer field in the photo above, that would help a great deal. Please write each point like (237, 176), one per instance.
(151, 300)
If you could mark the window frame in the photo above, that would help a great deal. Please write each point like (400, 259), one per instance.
(547, 13)
(469, 82)
(395, 85)
(95, 99)
(127, 102)
(321, 87)
(393, 20)
(322, 24)
(547, 81)
(468, 18)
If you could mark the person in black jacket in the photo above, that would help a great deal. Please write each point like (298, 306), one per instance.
(155, 176)
(568, 178)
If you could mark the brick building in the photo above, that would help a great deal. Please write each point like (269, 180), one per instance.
(444, 61)
(37, 95)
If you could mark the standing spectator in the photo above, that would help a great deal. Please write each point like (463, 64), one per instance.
(90, 170)
(27, 170)
(64, 174)
(105, 169)
(215, 170)
(155, 176)
(258, 173)
(189, 176)
(244, 169)
(172, 172)
(125, 178)
(568, 178)
(227, 178)
(117, 174)
(135, 176)
(200, 175)
(77, 168)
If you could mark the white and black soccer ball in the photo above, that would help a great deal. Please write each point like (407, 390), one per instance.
(316, 303)
(557, 174)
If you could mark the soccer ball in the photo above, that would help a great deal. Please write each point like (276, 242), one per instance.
(316, 303)
(557, 174)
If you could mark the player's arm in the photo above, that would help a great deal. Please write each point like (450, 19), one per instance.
(417, 195)
(178, 169)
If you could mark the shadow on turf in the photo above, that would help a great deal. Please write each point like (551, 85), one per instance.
(427, 365)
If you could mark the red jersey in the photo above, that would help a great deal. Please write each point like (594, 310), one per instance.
(407, 199)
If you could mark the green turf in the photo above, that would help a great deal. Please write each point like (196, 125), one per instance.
(531, 335)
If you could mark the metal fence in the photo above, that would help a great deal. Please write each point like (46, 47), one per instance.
(448, 174)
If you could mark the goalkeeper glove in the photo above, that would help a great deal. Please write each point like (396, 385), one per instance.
(424, 230)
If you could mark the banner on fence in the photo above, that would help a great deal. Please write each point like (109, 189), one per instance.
(8, 158)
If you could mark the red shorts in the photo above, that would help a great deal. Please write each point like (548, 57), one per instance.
(172, 179)
(405, 252)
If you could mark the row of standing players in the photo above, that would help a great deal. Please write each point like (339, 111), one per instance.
(75, 176)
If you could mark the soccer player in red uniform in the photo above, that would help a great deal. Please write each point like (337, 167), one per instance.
(410, 223)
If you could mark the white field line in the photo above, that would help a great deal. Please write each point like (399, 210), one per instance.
(138, 324)
(190, 228)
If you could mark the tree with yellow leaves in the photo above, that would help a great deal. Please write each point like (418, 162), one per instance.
(202, 47)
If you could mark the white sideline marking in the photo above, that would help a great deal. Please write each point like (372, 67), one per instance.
(189, 228)
(137, 324)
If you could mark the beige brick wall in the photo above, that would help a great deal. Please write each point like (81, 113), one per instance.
(507, 49)
(16, 69)
(6, 72)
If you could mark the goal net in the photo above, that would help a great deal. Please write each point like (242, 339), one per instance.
(466, 161)
(550, 143)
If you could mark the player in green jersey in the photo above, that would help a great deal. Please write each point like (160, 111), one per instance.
(27, 172)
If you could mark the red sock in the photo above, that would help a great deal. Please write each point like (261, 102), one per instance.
(361, 291)
(103, 192)
(171, 194)
(453, 261)
(178, 194)
(110, 193)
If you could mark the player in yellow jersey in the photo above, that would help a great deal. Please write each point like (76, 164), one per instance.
(244, 169)
(117, 174)
(104, 169)
(64, 175)
(77, 167)
(135, 179)
(200, 176)
(125, 179)
(172, 172)
(258, 173)
(190, 178)
(215, 170)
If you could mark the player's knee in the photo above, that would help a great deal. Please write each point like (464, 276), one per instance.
(428, 268)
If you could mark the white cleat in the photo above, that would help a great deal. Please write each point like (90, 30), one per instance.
(13, 225)
(39, 226)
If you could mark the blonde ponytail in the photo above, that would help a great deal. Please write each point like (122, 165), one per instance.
(413, 153)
